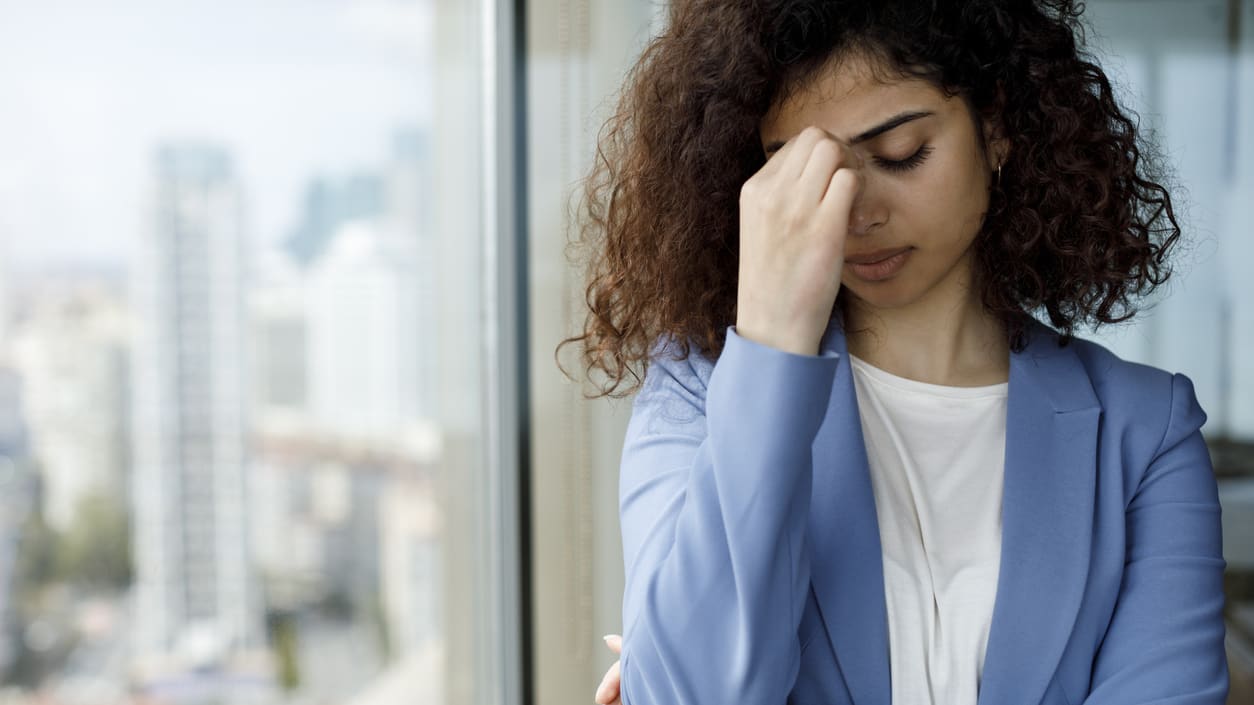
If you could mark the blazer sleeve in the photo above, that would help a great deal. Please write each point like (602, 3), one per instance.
(1165, 641)
(714, 492)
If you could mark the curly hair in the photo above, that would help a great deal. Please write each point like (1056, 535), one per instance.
(1078, 224)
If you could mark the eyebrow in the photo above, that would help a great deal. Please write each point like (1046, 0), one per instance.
(889, 124)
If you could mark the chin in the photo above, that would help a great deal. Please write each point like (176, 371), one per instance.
(890, 293)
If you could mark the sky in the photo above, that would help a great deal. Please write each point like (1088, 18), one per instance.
(293, 89)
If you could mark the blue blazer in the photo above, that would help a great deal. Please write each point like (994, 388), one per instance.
(752, 553)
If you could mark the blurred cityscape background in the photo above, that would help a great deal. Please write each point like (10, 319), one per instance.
(245, 345)
(218, 443)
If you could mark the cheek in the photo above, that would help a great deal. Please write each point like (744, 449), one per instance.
(941, 203)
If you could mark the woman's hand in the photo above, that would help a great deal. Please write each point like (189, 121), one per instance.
(607, 692)
(794, 213)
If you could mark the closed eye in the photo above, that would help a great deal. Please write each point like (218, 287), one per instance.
(908, 163)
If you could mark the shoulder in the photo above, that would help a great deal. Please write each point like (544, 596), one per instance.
(1143, 401)
(1117, 380)
(673, 391)
(669, 356)
(670, 365)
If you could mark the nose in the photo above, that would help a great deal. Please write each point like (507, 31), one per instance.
(866, 213)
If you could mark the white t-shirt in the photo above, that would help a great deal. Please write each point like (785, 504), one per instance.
(936, 457)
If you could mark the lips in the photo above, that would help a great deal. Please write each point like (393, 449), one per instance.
(875, 256)
(879, 271)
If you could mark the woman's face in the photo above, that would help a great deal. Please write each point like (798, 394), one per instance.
(926, 178)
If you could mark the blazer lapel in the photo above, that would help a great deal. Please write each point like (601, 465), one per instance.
(1047, 516)
(846, 563)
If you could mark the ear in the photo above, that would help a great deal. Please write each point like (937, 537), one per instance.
(996, 144)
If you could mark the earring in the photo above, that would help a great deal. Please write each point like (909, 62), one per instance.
(999, 175)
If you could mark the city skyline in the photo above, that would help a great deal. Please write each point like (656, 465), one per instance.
(316, 478)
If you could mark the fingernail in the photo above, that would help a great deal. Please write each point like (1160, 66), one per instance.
(606, 637)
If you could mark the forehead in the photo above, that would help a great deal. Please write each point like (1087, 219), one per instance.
(847, 96)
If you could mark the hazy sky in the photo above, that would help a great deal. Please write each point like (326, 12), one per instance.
(292, 88)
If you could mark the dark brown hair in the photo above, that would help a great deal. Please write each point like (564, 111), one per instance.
(1078, 225)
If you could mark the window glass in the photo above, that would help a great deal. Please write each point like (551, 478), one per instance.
(233, 255)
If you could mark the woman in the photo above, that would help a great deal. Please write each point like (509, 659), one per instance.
(858, 469)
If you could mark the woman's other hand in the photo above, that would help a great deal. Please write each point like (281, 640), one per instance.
(607, 692)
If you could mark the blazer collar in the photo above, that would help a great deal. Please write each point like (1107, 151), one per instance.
(1047, 521)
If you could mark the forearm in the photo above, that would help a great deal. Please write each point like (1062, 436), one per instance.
(716, 586)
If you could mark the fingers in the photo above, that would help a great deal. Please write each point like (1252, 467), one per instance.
(826, 156)
(842, 190)
(805, 165)
(811, 139)
(607, 692)
(789, 161)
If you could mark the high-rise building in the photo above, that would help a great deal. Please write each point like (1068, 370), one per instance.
(196, 601)
(276, 299)
(408, 182)
(329, 203)
(362, 333)
(70, 351)
(370, 300)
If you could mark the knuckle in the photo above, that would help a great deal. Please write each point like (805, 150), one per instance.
(814, 132)
(849, 177)
(749, 189)
(827, 148)
(761, 198)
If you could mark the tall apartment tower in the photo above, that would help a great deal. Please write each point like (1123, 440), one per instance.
(196, 603)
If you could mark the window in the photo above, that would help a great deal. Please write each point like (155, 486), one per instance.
(239, 240)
